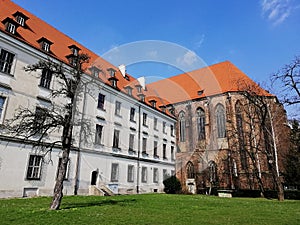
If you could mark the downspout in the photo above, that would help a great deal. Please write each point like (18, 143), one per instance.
(77, 166)
(139, 152)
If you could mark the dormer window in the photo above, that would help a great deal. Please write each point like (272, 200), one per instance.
(10, 25)
(129, 90)
(111, 72)
(95, 71)
(20, 18)
(11, 28)
(138, 88)
(153, 103)
(142, 97)
(74, 49)
(45, 44)
(113, 81)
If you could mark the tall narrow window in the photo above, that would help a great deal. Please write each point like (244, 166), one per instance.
(172, 153)
(155, 155)
(145, 119)
(2, 102)
(114, 172)
(144, 174)
(98, 134)
(212, 172)
(164, 127)
(34, 167)
(182, 126)
(46, 78)
(240, 131)
(11, 28)
(20, 20)
(201, 123)
(118, 108)
(190, 170)
(164, 151)
(165, 174)
(155, 123)
(132, 114)
(116, 139)
(155, 175)
(172, 130)
(101, 100)
(131, 142)
(220, 119)
(6, 61)
(130, 173)
(144, 146)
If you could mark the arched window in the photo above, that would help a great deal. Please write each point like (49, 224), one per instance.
(190, 171)
(201, 123)
(240, 132)
(212, 166)
(221, 123)
(182, 126)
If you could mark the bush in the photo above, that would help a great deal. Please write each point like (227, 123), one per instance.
(172, 185)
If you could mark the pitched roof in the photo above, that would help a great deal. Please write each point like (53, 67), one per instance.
(36, 30)
(208, 81)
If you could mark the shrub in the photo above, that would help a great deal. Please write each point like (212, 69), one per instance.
(172, 185)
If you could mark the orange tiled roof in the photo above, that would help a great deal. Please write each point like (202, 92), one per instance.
(208, 81)
(37, 29)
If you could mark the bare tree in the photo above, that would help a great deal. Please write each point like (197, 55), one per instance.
(35, 125)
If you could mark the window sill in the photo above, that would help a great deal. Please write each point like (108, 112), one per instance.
(115, 149)
(101, 109)
(7, 74)
(133, 121)
(44, 88)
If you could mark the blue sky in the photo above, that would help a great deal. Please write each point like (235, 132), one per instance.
(258, 36)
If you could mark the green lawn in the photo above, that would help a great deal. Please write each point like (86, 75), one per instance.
(150, 209)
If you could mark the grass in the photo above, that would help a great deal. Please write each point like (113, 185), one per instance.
(150, 209)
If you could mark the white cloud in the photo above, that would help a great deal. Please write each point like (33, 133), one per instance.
(188, 59)
(276, 11)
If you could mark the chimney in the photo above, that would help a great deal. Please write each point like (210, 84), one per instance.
(122, 69)
(142, 82)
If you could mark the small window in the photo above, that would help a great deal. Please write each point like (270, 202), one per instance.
(155, 123)
(118, 108)
(20, 20)
(39, 120)
(74, 49)
(11, 28)
(172, 153)
(131, 142)
(6, 61)
(172, 130)
(101, 99)
(116, 139)
(98, 134)
(114, 172)
(45, 46)
(139, 88)
(164, 151)
(34, 167)
(145, 119)
(155, 155)
(112, 72)
(46, 78)
(164, 127)
(155, 175)
(144, 174)
(132, 114)
(67, 169)
(129, 90)
(2, 102)
(153, 103)
(130, 173)
(190, 170)
(144, 145)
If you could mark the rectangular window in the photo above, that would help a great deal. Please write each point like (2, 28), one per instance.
(98, 134)
(144, 174)
(165, 174)
(172, 153)
(116, 139)
(132, 114)
(164, 127)
(11, 28)
(155, 149)
(101, 99)
(2, 102)
(131, 142)
(20, 20)
(144, 119)
(144, 146)
(118, 108)
(172, 130)
(67, 169)
(39, 120)
(155, 175)
(130, 173)
(155, 123)
(46, 78)
(114, 172)
(6, 61)
(34, 167)
(164, 151)
(45, 46)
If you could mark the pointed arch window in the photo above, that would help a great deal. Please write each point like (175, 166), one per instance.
(220, 118)
(190, 170)
(201, 123)
(240, 132)
(182, 126)
(212, 166)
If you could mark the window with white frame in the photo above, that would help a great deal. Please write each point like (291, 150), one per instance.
(130, 173)
(6, 61)
(131, 142)
(114, 172)
(46, 78)
(67, 169)
(34, 167)
(118, 108)
(220, 120)
(98, 134)
(155, 175)
(11, 28)
(144, 174)
(145, 119)
(144, 145)
(2, 102)
(116, 139)
(20, 20)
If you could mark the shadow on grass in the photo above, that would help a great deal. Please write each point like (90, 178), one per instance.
(98, 203)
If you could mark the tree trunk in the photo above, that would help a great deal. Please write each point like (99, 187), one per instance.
(66, 146)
